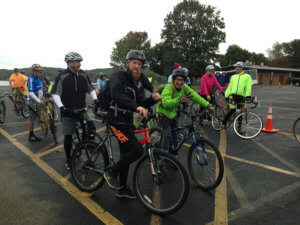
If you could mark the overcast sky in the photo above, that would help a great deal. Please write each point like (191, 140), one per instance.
(35, 31)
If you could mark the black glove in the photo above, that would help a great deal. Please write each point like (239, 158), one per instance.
(248, 98)
(64, 112)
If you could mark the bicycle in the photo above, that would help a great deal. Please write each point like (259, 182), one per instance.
(46, 119)
(20, 104)
(153, 183)
(246, 124)
(206, 170)
(2, 109)
(296, 129)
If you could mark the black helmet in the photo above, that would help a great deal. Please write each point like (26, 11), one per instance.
(136, 54)
(179, 72)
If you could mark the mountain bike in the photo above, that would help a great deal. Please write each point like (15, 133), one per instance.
(296, 129)
(205, 163)
(20, 104)
(159, 189)
(246, 124)
(2, 109)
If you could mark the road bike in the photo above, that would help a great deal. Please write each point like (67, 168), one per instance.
(159, 189)
(296, 129)
(205, 163)
(246, 124)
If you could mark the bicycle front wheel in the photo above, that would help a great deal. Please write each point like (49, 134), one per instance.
(296, 130)
(156, 136)
(2, 112)
(205, 165)
(25, 109)
(161, 185)
(87, 166)
(247, 125)
(217, 118)
(44, 122)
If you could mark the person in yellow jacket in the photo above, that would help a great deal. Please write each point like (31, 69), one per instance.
(238, 90)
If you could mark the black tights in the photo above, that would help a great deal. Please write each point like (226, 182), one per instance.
(68, 145)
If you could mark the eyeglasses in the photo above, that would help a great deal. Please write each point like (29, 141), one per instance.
(180, 80)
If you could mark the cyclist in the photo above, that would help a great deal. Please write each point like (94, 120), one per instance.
(238, 91)
(35, 94)
(17, 82)
(69, 92)
(208, 81)
(126, 98)
(173, 95)
(102, 81)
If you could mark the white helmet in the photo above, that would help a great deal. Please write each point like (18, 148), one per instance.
(73, 56)
(239, 64)
(210, 67)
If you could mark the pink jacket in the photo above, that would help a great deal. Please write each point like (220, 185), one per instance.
(207, 83)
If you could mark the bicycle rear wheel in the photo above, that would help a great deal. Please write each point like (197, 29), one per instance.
(205, 167)
(87, 165)
(18, 104)
(296, 130)
(2, 111)
(161, 186)
(217, 118)
(44, 120)
(25, 109)
(249, 126)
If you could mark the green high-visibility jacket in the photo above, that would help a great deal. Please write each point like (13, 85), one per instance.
(240, 84)
(168, 106)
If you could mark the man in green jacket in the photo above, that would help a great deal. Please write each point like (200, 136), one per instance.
(238, 90)
(172, 95)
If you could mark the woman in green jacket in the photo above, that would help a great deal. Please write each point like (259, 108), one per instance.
(173, 94)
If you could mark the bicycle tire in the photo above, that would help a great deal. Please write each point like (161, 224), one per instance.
(156, 136)
(18, 103)
(250, 127)
(217, 118)
(2, 111)
(53, 129)
(87, 175)
(296, 130)
(214, 159)
(43, 122)
(25, 109)
(152, 198)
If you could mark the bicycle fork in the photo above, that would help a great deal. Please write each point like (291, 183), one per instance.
(155, 170)
(197, 152)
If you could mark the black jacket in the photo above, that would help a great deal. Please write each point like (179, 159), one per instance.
(126, 94)
(72, 88)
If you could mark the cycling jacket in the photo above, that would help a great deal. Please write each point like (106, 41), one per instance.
(207, 84)
(35, 91)
(240, 84)
(168, 106)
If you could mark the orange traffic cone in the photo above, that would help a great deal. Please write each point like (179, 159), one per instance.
(291, 85)
(279, 86)
(269, 125)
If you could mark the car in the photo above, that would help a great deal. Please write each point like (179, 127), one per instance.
(296, 81)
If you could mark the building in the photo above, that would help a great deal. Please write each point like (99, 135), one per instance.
(268, 75)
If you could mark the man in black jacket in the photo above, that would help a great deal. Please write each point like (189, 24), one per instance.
(69, 92)
(126, 90)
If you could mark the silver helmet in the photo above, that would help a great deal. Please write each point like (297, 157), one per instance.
(210, 67)
(239, 64)
(37, 67)
(73, 56)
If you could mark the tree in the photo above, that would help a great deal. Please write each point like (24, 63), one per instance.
(191, 36)
(277, 51)
(293, 53)
(131, 41)
(279, 62)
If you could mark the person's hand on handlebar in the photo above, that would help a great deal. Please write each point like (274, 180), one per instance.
(142, 111)
(156, 96)
(248, 98)
(41, 102)
(208, 98)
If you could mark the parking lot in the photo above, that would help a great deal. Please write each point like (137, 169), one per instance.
(260, 185)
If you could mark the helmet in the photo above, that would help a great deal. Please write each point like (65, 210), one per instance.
(179, 72)
(59, 70)
(72, 56)
(136, 54)
(186, 71)
(37, 67)
(101, 74)
(210, 67)
(239, 64)
(176, 66)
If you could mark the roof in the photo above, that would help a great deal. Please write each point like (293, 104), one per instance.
(258, 67)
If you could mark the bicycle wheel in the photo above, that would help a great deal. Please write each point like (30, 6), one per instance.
(25, 110)
(87, 166)
(249, 126)
(217, 118)
(206, 167)
(296, 130)
(156, 136)
(53, 129)
(44, 120)
(19, 104)
(2, 111)
(54, 111)
(161, 186)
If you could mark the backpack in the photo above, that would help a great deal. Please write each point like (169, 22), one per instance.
(105, 98)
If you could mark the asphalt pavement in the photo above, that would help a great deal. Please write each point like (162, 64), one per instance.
(261, 183)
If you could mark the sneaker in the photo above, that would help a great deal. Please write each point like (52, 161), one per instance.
(32, 137)
(68, 164)
(126, 192)
(111, 179)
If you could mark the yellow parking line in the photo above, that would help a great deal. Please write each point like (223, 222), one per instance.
(155, 219)
(16, 123)
(27, 131)
(41, 154)
(81, 197)
(221, 211)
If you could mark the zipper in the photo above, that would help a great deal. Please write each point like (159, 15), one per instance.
(75, 77)
(238, 85)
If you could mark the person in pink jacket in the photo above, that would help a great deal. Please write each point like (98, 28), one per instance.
(208, 81)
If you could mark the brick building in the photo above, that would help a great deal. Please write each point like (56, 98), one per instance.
(269, 75)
